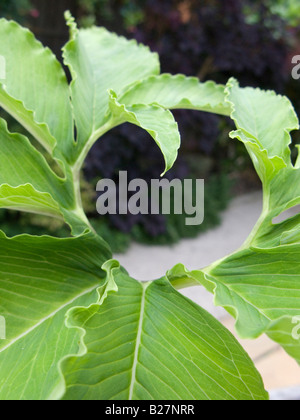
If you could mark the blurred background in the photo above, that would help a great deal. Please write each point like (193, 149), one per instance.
(253, 41)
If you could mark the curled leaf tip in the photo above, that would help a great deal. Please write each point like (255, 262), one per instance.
(71, 23)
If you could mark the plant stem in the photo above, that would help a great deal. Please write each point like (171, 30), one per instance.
(76, 168)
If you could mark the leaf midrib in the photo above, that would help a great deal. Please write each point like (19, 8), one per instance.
(138, 341)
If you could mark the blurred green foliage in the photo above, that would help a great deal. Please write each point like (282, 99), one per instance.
(130, 12)
(288, 10)
(15, 9)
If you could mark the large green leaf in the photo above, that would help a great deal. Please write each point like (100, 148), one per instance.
(260, 288)
(264, 122)
(260, 283)
(40, 279)
(98, 61)
(35, 90)
(263, 287)
(150, 342)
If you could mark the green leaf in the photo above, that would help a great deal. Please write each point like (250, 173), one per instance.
(150, 342)
(40, 279)
(34, 170)
(26, 198)
(157, 121)
(146, 98)
(98, 61)
(35, 90)
(266, 133)
(175, 92)
(262, 288)
(260, 283)
(264, 121)
(44, 192)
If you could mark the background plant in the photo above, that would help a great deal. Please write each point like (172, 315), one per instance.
(78, 326)
(195, 39)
